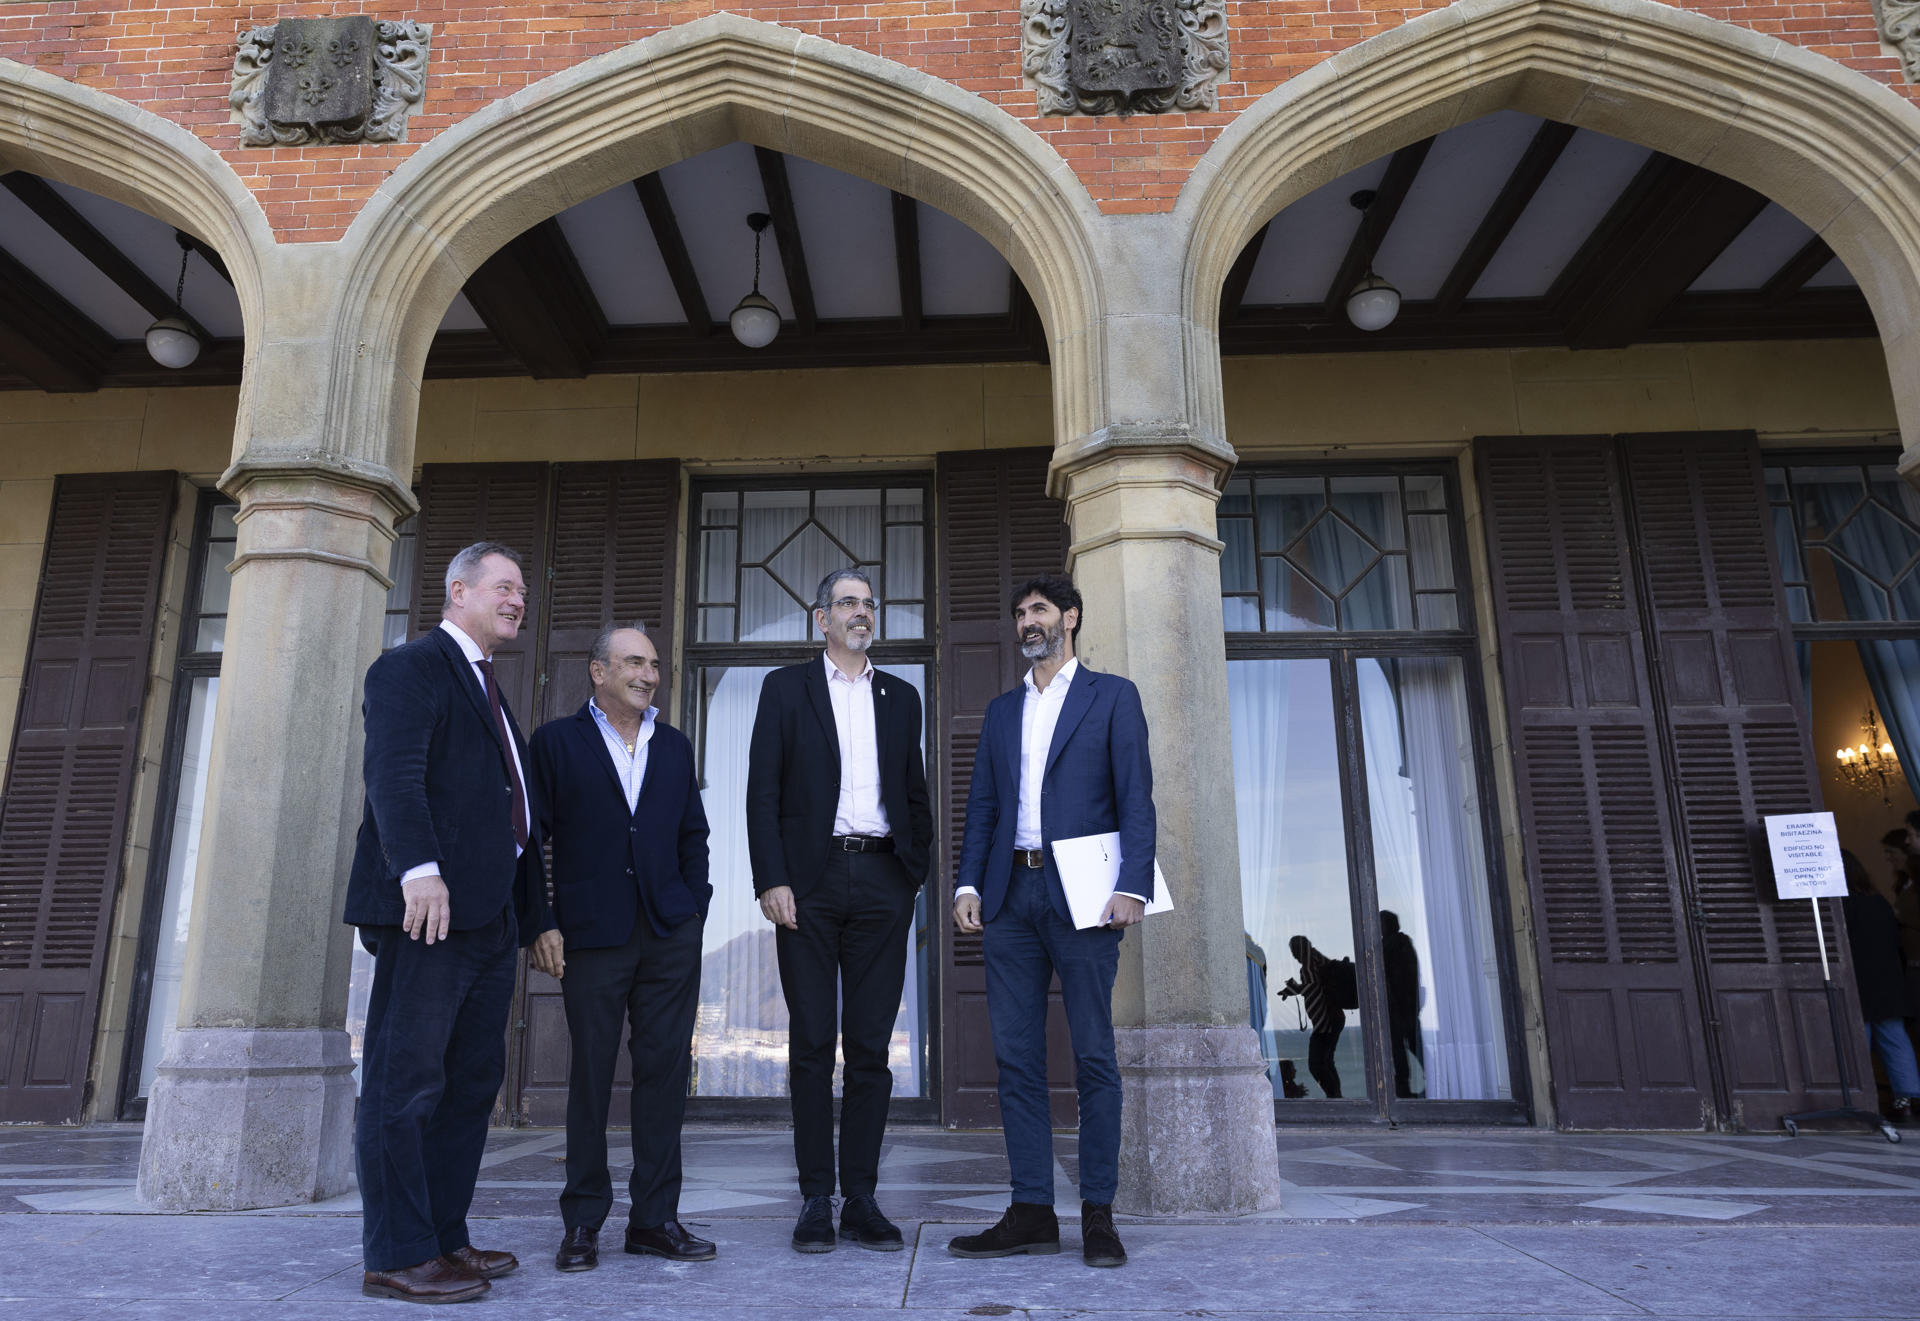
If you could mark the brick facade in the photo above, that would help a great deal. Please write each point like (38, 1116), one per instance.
(177, 62)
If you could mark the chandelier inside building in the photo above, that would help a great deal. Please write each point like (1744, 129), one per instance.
(1872, 767)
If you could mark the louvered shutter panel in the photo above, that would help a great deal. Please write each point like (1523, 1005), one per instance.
(1624, 1024)
(997, 527)
(461, 503)
(69, 779)
(1740, 751)
(614, 531)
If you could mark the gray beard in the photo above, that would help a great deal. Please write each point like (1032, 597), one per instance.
(858, 645)
(1047, 648)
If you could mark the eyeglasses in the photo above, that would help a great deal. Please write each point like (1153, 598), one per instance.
(866, 603)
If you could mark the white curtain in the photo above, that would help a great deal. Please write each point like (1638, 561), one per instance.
(1431, 865)
(1257, 719)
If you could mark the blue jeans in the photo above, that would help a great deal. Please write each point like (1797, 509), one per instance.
(1895, 1048)
(434, 1058)
(1025, 945)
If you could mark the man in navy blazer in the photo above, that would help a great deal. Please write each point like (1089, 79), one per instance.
(444, 886)
(1061, 756)
(621, 803)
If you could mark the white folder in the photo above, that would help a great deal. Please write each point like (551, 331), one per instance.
(1089, 871)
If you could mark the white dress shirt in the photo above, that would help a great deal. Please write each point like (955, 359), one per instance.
(1039, 717)
(860, 811)
(471, 650)
(630, 766)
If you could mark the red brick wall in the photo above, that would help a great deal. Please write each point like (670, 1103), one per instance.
(179, 62)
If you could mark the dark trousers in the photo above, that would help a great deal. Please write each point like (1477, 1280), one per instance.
(653, 983)
(849, 954)
(1025, 945)
(431, 1066)
(1320, 1045)
(1403, 1031)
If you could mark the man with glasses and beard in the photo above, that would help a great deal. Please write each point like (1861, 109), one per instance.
(839, 832)
(1062, 756)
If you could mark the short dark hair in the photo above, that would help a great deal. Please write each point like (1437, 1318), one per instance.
(1894, 839)
(823, 594)
(1060, 593)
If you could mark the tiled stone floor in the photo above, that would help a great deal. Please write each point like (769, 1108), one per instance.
(1400, 1223)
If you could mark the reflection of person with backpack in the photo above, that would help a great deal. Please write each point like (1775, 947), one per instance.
(1329, 988)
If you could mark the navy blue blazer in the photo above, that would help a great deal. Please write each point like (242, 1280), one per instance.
(609, 863)
(439, 789)
(1099, 779)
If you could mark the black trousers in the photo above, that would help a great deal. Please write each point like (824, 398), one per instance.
(849, 955)
(1403, 1034)
(432, 1063)
(653, 983)
(1320, 1044)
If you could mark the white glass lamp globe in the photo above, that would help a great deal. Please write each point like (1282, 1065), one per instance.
(171, 344)
(755, 321)
(1373, 304)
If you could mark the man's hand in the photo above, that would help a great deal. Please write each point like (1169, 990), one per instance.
(428, 908)
(1122, 912)
(549, 953)
(966, 914)
(778, 906)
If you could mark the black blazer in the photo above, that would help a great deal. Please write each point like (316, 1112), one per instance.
(793, 776)
(439, 790)
(608, 863)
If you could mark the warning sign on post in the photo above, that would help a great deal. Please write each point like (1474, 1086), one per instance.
(1806, 856)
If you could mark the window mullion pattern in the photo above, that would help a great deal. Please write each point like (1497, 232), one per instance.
(1847, 536)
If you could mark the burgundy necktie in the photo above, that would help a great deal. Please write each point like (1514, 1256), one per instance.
(506, 745)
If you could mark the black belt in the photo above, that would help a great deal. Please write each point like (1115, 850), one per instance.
(1035, 858)
(863, 843)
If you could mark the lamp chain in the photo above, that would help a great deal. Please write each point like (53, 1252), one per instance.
(180, 286)
(757, 235)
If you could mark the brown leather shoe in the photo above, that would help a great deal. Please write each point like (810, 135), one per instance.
(486, 1265)
(435, 1281)
(579, 1250)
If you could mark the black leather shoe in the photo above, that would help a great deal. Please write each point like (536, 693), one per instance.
(1099, 1241)
(671, 1241)
(1026, 1227)
(579, 1250)
(814, 1232)
(862, 1223)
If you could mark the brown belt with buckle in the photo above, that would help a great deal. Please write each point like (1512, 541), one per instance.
(1035, 858)
(863, 843)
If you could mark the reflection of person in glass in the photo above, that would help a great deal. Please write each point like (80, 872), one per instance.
(1314, 987)
(1402, 964)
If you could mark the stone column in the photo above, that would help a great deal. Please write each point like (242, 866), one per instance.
(253, 1103)
(1197, 1127)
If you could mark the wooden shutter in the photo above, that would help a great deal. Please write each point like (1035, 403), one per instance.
(461, 503)
(69, 780)
(1739, 751)
(1624, 1025)
(996, 527)
(615, 526)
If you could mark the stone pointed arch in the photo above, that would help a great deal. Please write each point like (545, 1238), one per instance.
(719, 79)
(1829, 144)
(75, 134)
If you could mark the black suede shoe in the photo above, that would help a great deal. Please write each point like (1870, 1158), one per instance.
(671, 1241)
(1099, 1242)
(579, 1250)
(1026, 1227)
(814, 1232)
(862, 1223)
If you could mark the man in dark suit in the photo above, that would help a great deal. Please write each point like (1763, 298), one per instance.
(838, 833)
(441, 890)
(1062, 756)
(621, 803)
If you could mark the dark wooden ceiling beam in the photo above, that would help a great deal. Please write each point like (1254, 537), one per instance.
(80, 235)
(1234, 292)
(673, 251)
(537, 303)
(1669, 225)
(906, 260)
(1515, 195)
(46, 339)
(1023, 318)
(1376, 221)
(1791, 278)
(786, 234)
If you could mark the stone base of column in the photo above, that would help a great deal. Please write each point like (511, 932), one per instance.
(1196, 1134)
(249, 1117)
